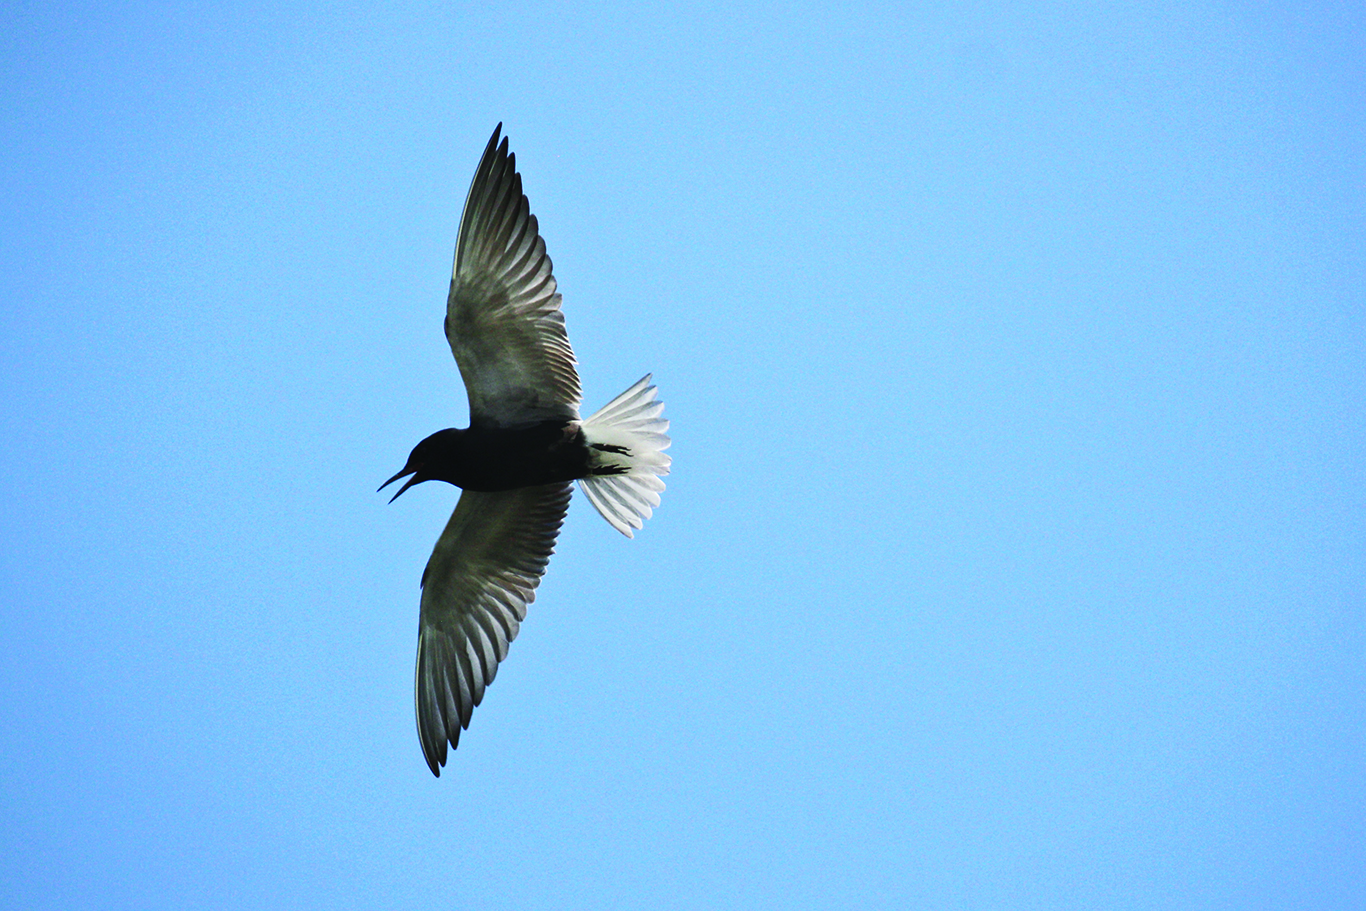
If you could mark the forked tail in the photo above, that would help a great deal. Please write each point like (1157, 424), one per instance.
(627, 440)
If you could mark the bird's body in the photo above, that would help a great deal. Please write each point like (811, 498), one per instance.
(505, 458)
(525, 445)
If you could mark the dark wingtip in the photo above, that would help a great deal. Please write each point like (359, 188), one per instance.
(435, 756)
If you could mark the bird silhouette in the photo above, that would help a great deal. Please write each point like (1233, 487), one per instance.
(517, 460)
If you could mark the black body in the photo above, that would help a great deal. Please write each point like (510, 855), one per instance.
(489, 459)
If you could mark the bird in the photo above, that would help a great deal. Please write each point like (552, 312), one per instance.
(517, 461)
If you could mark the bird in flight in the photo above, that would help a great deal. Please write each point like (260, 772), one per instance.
(518, 459)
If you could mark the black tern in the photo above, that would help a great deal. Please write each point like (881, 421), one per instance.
(517, 460)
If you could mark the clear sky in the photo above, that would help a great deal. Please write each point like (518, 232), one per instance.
(1013, 553)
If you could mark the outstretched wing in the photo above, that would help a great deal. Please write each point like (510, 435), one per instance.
(475, 590)
(503, 318)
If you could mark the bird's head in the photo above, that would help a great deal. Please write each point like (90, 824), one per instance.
(426, 461)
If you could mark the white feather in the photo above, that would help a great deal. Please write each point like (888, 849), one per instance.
(633, 422)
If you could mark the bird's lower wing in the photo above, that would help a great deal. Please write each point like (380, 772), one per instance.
(475, 591)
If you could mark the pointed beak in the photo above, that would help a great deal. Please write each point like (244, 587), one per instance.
(411, 481)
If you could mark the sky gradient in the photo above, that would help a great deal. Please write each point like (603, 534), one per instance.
(1013, 552)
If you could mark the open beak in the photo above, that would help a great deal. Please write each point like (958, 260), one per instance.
(411, 481)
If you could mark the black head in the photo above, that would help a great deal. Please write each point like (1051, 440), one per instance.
(428, 461)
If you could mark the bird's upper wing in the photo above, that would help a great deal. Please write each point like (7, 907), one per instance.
(475, 590)
(503, 317)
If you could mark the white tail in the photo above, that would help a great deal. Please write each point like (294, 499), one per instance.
(627, 440)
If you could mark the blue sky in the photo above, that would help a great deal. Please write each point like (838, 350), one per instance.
(1013, 551)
